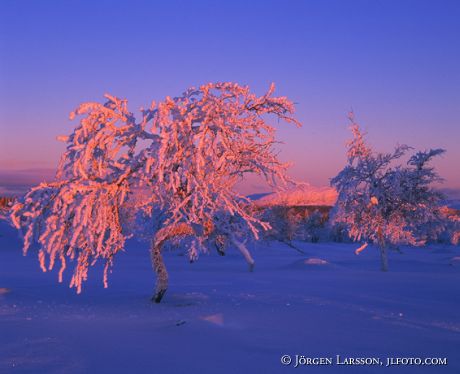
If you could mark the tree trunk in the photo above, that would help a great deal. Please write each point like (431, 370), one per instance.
(244, 251)
(159, 267)
(384, 257)
(383, 252)
(160, 270)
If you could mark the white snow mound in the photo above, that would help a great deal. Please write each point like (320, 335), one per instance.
(315, 261)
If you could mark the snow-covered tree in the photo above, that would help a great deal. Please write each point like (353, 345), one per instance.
(314, 226)
(451, 220)
(174, 171)
(383, 202)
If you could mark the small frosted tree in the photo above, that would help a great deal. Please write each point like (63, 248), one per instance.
(382, 202)
(451, 227)
(176, 169)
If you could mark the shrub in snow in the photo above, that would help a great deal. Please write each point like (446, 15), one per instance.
(337, 231)
(314, 226)
(185, 155)
(281, 228)
(288, 223)
(383, 202)
(450, 232)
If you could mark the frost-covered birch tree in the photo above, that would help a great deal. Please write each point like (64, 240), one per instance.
(173, 171)
(383, 202)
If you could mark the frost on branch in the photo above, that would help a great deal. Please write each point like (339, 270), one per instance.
(76, 221)
(168, 176)
(209, 138)
(384, 203)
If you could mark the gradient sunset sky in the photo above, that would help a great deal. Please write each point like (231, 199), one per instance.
(396, 63)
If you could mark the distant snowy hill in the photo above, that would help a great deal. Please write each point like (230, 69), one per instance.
(303, 196)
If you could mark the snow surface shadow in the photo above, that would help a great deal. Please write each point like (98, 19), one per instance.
(38, 355)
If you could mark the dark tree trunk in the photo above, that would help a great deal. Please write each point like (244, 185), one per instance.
(160, 270)
(383, 252)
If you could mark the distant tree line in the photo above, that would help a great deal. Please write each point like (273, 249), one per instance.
(313, 223)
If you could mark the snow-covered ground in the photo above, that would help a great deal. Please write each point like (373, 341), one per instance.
(218, 318)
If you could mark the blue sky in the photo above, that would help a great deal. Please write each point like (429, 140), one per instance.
(396, 63)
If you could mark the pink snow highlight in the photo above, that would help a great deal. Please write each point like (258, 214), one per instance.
(301, 196)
